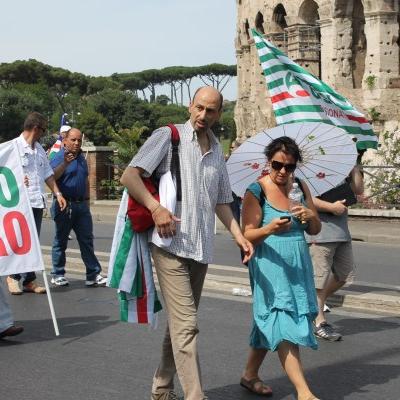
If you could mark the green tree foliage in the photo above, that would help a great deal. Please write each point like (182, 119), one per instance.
(217, 75)
(95, 126)
(126, 143)
(100, 106)
(15, 104)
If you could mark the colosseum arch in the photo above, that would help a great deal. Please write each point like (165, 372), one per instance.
(342, 8)
(304, 38)
(259, 22)
(308, 12)
(278, 17)
(359, 43)
(277, 33)
(246, 29)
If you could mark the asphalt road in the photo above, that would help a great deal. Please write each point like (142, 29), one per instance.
(378, 263)
(99, 358)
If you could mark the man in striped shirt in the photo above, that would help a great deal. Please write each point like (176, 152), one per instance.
(181, 267)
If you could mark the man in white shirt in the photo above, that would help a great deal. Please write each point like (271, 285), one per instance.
(37, 171)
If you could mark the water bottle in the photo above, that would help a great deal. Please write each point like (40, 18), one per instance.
(241, 292)
(295, 195)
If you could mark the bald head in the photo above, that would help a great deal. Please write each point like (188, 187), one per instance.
(73, 140)
(211, 91)
(205, 108)
(73, 130)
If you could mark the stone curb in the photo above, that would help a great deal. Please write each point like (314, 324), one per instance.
(370, 301)
(365, 237)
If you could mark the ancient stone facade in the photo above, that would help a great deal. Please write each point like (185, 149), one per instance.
(353, 45)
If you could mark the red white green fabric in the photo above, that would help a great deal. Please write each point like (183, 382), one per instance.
(55, 148)
(130, 271)
(298, 96)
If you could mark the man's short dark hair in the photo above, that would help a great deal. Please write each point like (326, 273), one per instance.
(35, 119)
(221, 98)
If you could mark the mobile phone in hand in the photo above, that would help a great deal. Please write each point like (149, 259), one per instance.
(287, 218)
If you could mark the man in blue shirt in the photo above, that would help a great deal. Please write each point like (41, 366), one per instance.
(71, 173)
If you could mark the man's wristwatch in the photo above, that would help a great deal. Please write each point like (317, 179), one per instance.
(57, 194)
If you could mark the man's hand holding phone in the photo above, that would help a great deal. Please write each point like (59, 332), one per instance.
(68, 156)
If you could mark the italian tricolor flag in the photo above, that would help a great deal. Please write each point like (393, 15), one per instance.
(55, 148)
(130, 271)
(298, 96)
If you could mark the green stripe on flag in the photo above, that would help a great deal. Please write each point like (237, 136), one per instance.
(357, 131)
(122, 254)
(123, 306)
(264, 45)
(292, 109)
(366, 144)
(284, 67)
(137, 284)
(267, 57)
(274, 84)
(157, 303)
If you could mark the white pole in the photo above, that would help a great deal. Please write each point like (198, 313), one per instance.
(53, 314)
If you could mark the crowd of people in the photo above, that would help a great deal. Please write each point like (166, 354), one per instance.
(67, 178)
(296, 257)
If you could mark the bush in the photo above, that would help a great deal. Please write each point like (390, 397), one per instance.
(385, 187)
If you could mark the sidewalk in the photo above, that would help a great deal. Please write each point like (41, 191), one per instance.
(378, 226)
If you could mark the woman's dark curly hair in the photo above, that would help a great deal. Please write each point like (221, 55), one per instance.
(285, 144)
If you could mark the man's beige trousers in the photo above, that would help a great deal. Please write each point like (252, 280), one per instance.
(181, 282)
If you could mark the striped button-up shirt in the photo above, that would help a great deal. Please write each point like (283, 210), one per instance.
(205, 184)
(36, 167)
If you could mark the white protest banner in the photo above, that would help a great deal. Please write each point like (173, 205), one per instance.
(19, 243)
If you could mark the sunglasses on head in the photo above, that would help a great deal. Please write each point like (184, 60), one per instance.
(277, 166)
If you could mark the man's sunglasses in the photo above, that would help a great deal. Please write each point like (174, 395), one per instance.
(277, 166)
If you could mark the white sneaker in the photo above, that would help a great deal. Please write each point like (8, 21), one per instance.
(98, 281)
(59, 281)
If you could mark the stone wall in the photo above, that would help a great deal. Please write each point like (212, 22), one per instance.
(353, 45)
(98, 159)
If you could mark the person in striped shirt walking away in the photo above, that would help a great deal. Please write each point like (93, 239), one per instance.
(181, 267)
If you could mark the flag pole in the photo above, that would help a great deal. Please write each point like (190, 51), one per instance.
(50, 300)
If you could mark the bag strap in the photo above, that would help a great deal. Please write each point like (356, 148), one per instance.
(262, 195)
(175, 164)
(298, 181)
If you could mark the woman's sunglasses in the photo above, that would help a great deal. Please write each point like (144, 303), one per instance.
(277, 166)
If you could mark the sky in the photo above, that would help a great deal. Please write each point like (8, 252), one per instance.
(100, 37)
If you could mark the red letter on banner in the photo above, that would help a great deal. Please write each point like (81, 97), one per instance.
(3, 251)
(12, 237)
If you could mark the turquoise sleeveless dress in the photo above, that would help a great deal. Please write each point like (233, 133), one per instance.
(282, 282)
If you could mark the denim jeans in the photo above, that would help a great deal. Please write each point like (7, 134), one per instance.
(75, 216)
(31, 276)
(6, 319)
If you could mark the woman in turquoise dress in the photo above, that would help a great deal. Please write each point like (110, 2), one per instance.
(281, 274)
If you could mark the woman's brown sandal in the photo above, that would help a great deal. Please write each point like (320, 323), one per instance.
(256, 385)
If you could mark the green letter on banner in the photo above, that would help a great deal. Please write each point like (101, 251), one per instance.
(12, 187)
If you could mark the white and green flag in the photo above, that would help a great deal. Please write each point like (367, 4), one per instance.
(298, 96)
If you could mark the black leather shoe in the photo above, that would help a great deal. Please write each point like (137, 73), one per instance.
(12, 331)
